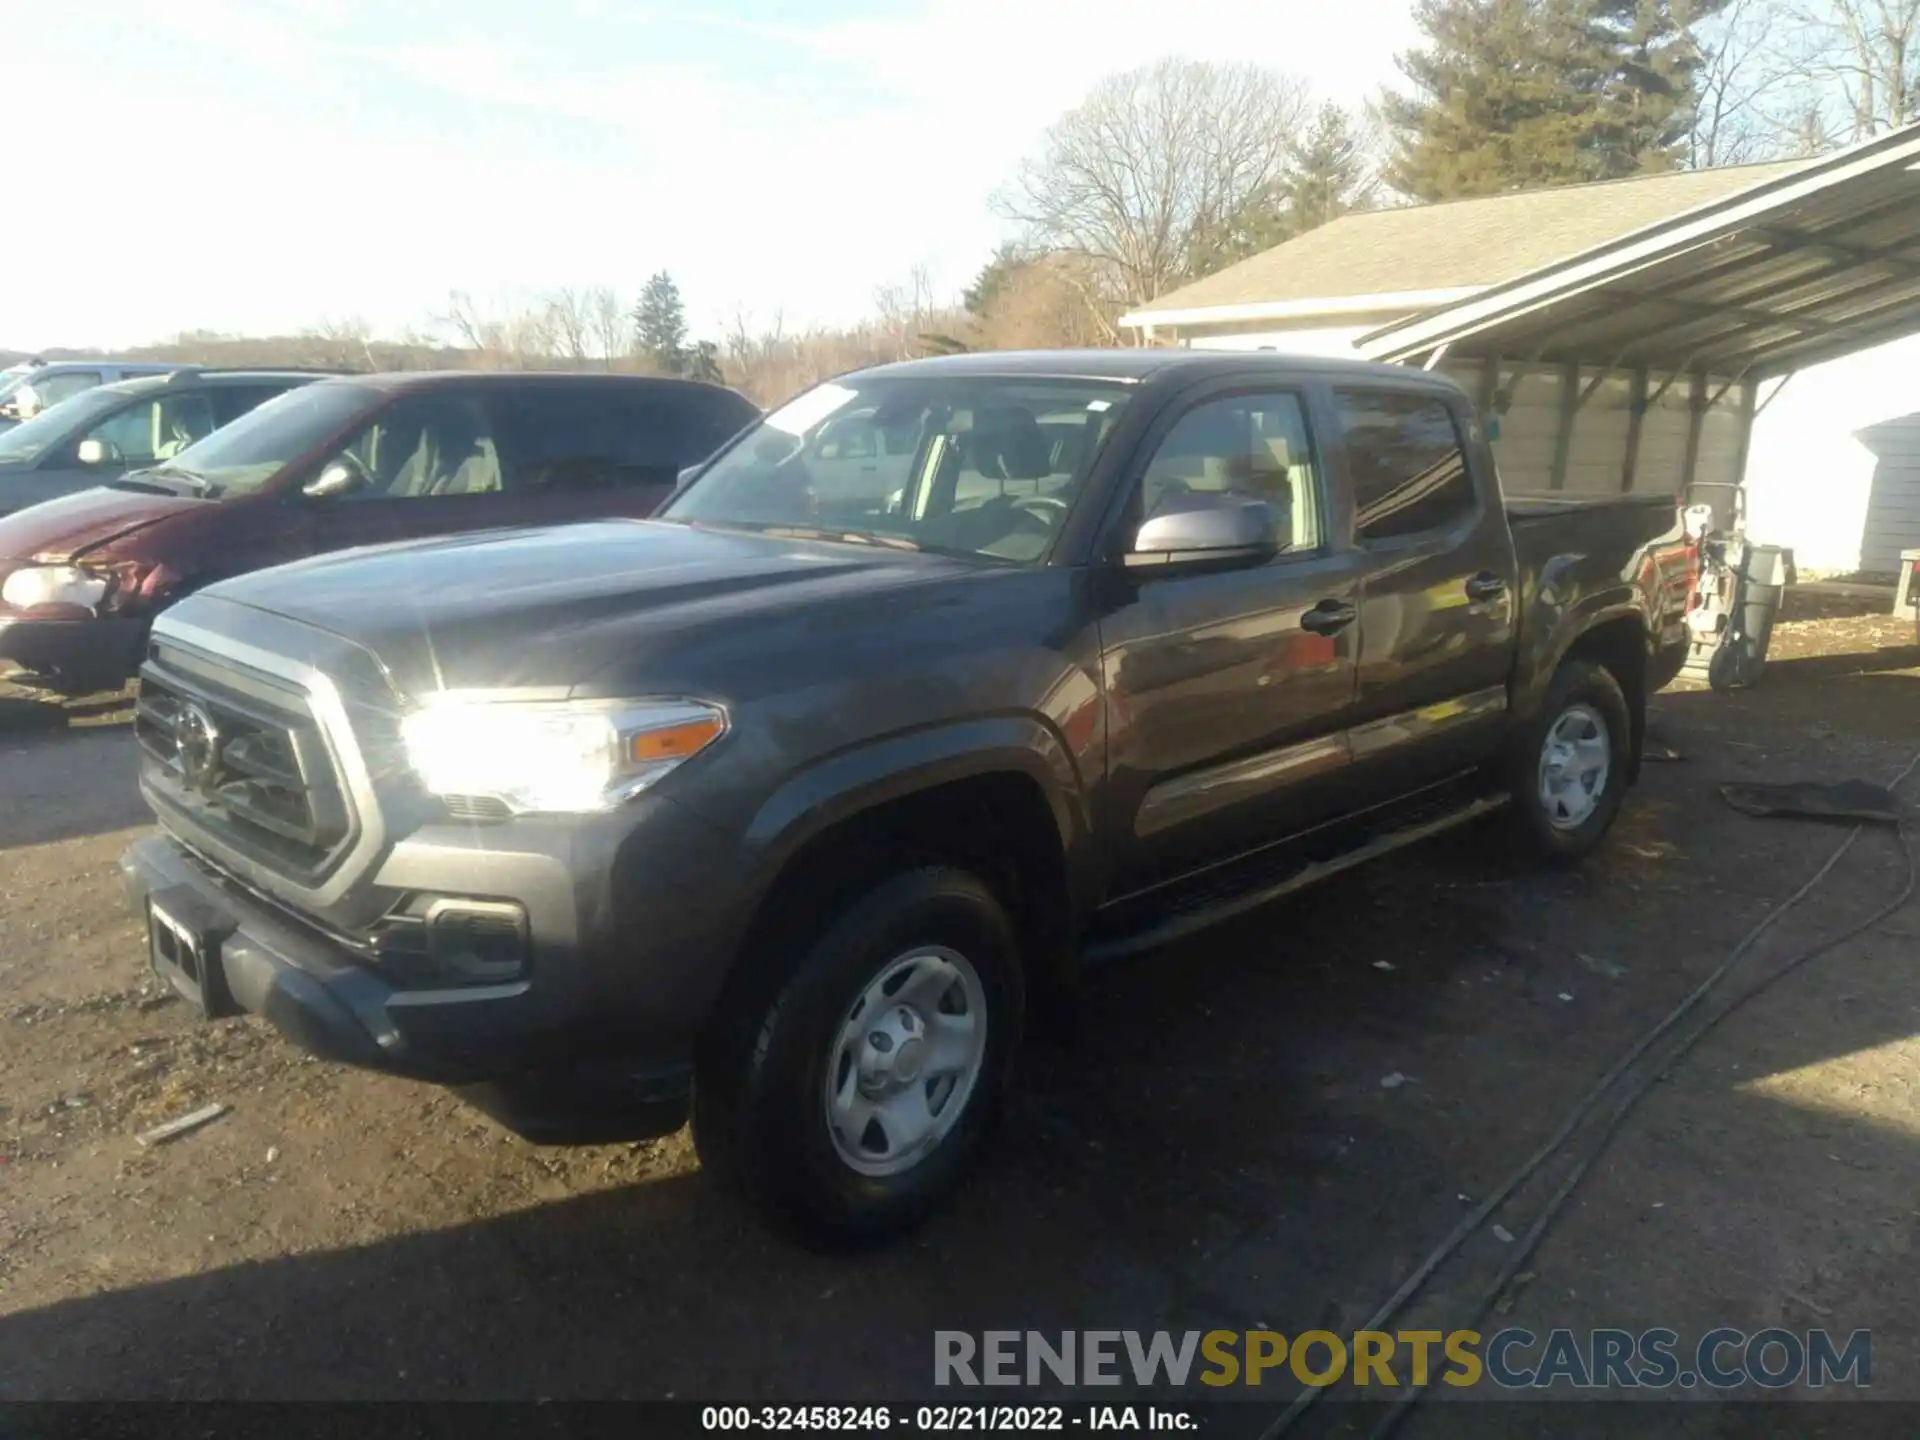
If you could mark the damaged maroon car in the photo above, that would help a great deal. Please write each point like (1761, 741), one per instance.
(340, 463)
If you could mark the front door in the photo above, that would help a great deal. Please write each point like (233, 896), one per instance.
(1228, 691)
(428, 464)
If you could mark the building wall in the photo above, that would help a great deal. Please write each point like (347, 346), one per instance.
(1834, 468)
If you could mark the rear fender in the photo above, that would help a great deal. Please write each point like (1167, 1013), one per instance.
(1559, 615)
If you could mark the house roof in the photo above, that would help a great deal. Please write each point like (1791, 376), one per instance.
(1455, 245)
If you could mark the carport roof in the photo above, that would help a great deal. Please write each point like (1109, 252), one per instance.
(1816, 263)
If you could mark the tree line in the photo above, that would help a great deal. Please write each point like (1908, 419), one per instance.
(1167, 173)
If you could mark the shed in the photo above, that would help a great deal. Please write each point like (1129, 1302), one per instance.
(1636, 335)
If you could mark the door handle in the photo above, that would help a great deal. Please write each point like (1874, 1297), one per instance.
(1328, 617)
(1486, 586)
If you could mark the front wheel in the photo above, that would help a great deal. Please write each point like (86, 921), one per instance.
(857, 1090)
(1571, 762)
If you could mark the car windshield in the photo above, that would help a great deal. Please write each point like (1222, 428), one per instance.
(30, 439)
(241, 457)
(982, 466)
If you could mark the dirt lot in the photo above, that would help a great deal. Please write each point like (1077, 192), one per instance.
(1217, 1151)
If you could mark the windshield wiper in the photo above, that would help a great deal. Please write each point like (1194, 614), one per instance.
(810, 532)
(198, 484)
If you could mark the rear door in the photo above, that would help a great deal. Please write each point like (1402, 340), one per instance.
(1437, 614)
(1228, 691)
(582, 452)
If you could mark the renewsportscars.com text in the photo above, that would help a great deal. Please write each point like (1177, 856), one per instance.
(1722, 1359)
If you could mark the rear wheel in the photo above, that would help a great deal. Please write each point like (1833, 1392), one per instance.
(849, 1095)
(1571, 762)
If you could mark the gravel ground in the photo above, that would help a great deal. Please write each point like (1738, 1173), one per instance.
(1217, 1151)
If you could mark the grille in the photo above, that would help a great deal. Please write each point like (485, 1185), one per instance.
(239, 758)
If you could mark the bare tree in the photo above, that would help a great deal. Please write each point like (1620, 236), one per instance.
(905, 311)
(568, 323)
(1746, 87)
(1863, 58)
(1153, 163)
(344, 344)
(497, 340)
(607, 321)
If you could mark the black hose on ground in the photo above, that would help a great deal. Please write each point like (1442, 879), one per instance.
(1587, 1103)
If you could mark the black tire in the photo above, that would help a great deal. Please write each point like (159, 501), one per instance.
(1549, 836)
(759, 1111)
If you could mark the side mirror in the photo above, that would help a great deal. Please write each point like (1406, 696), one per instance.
(338, 478)
(94, 452)
(1211, 531)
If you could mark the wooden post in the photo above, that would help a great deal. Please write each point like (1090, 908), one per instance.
(1569, 410)
(1696, 417)
(1749, 395)
(1636, 414)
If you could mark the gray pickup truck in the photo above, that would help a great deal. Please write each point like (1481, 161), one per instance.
(807, 796)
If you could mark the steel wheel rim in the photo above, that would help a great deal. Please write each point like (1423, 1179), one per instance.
(1575, 762)
(905, 1061)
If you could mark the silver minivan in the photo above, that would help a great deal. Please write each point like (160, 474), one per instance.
(36, 385)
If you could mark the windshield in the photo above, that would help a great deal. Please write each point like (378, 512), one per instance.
(241, 457)
(967, 465)
(26, 442)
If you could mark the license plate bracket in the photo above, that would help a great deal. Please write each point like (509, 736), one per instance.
(184, 936)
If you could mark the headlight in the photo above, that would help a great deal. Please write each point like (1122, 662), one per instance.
(553, 756)
(52, 585)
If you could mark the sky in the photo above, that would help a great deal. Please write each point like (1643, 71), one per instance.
(268, 166)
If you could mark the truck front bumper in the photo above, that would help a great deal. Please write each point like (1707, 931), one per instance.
(597, 1006)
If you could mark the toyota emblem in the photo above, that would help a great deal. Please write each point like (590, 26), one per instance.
(196, 742)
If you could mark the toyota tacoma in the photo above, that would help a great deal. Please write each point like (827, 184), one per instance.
(798, 803)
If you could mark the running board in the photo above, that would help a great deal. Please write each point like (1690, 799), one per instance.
(1177, 927)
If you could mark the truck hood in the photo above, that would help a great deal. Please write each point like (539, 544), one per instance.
(69, 525)
(554, 606)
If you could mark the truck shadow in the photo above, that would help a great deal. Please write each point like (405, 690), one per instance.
(1268, 1126)
(65, 785)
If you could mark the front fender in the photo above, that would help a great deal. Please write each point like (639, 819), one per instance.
(894, 766)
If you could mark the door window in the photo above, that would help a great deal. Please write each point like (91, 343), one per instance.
(150, 431)
(1251, 446)
(589, 437)
(1404, 454)
(422, 447)
(52, 389)
(230, 402)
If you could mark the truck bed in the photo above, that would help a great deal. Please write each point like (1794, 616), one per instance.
(1522, 508)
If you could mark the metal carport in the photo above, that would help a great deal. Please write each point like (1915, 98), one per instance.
(1677, 326)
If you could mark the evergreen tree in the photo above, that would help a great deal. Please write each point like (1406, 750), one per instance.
(1327, 174)
(1007, 263)
(660, 325)
(1513, 94)
(703, 363)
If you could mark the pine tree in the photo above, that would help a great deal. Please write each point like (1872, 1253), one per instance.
(1512, 94)
(1649, 100)
(660, 325)
(1007, 263)
(703, 363)
(1327, 175)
